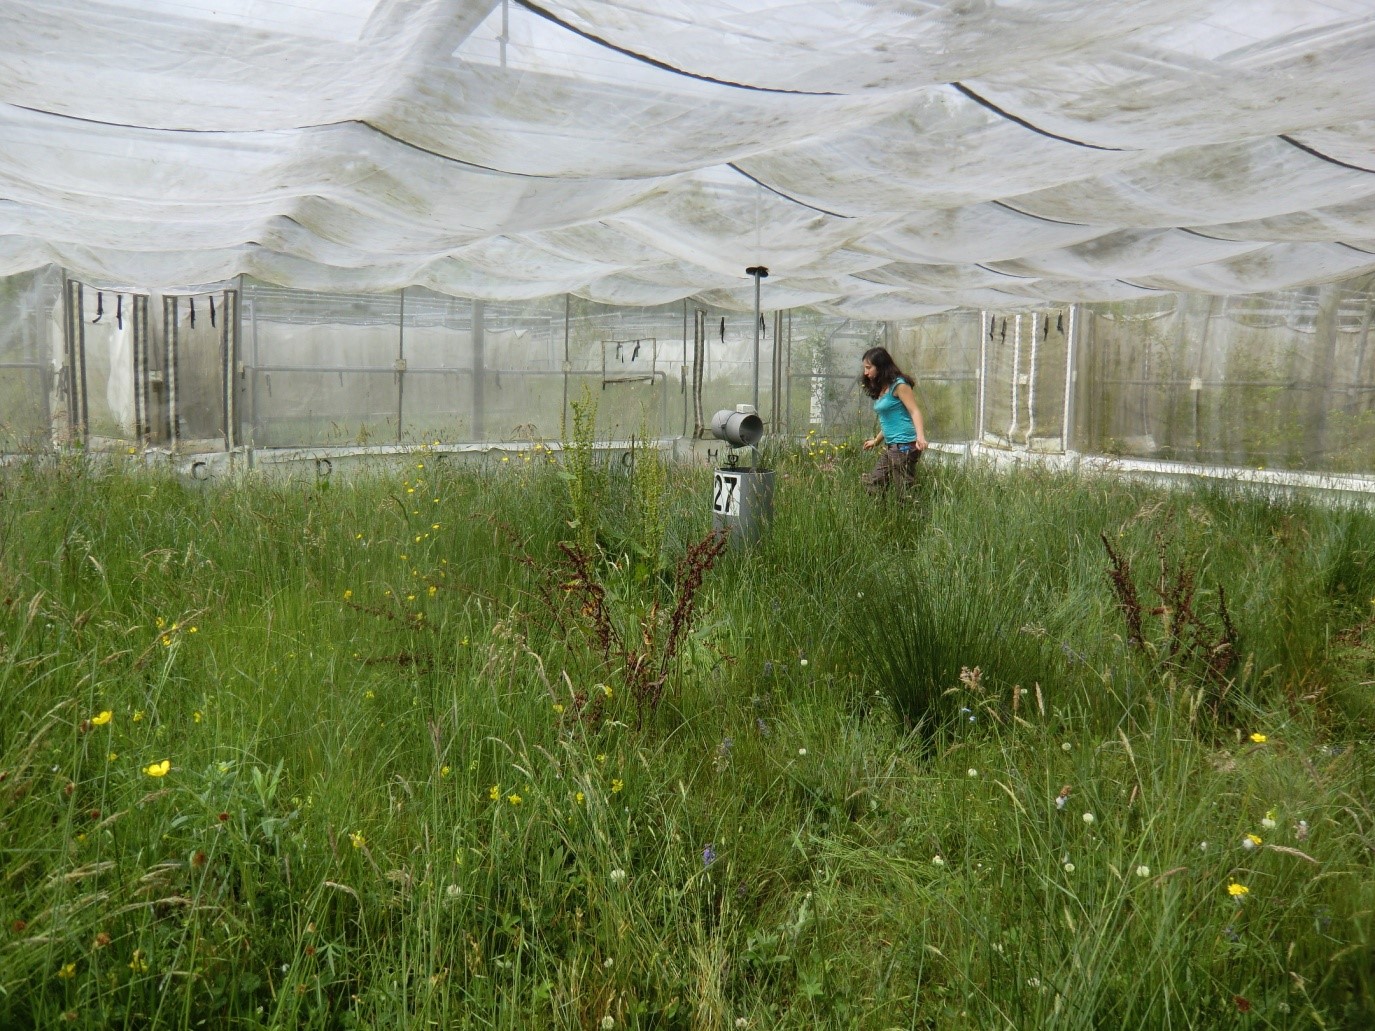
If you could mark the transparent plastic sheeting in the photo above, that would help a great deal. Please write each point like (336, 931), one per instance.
(882, 158)
(1279, 380)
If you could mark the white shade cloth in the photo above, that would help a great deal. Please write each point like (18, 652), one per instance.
(882, 158)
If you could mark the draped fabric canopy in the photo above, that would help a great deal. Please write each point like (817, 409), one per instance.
(882, 158)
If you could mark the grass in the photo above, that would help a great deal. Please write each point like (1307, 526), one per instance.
(404, 789)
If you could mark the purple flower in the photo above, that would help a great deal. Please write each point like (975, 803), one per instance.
(708, 855)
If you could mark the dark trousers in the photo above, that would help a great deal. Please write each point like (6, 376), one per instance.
(897, 463)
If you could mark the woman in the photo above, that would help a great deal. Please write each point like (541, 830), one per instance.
(901, 429)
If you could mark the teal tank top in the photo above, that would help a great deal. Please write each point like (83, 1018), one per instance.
(893, 419)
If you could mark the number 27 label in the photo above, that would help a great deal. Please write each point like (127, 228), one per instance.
(725, 497)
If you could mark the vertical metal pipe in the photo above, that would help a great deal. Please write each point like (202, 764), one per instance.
(756, 342)
(229, 331)
(169, 376)
(253, 380)
(1070, 358)
(683, 369)
(758, 272)
(401, 367)
(985, 330)
(1016, 369)
(776, 375)
(567, 365)
(1031, 384)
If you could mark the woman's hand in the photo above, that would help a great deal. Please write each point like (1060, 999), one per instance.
(871, 443)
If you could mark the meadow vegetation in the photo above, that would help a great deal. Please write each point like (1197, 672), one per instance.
(516, 746)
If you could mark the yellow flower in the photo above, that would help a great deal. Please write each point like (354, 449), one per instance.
(138, 964)
(158, 769)
(602, 759)
(113, 756)
(101, 718)
(192, 630)
(514, 799)
(580, 798)
(67, 971)
(606, 690)
(616, 784)
(1259, 739)
(1237, 890)
(348, 594)
(434, 526)
(166, 641)
(558, 708)
(138, 715)
(196, 716)
(356, 839)
(432, 590)
(444, 771)
(494, 792)
(1254, 839)
(369, 695)
(159, 622)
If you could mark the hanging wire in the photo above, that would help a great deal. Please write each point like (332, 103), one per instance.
(99, 307)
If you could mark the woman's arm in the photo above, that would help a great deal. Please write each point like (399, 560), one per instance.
(909, 401)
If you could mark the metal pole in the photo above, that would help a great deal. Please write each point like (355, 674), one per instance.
(758, 272)
(567, 365)
(401, 366)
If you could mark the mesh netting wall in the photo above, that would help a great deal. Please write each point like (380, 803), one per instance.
(416, 367)
(30, 356)
(1282, 380)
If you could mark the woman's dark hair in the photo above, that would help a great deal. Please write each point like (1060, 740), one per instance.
(886, 371)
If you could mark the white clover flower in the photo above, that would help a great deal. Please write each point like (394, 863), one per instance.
(608, 1022)
(804, 662)
(1069, 867)
(741, 1021)
(1089, 818)
(1066, 747)
(1203, 846)
(617, 875)
(1143, 870)
(937, 861)
(972, 772)
(801, 751)
(608, 963)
